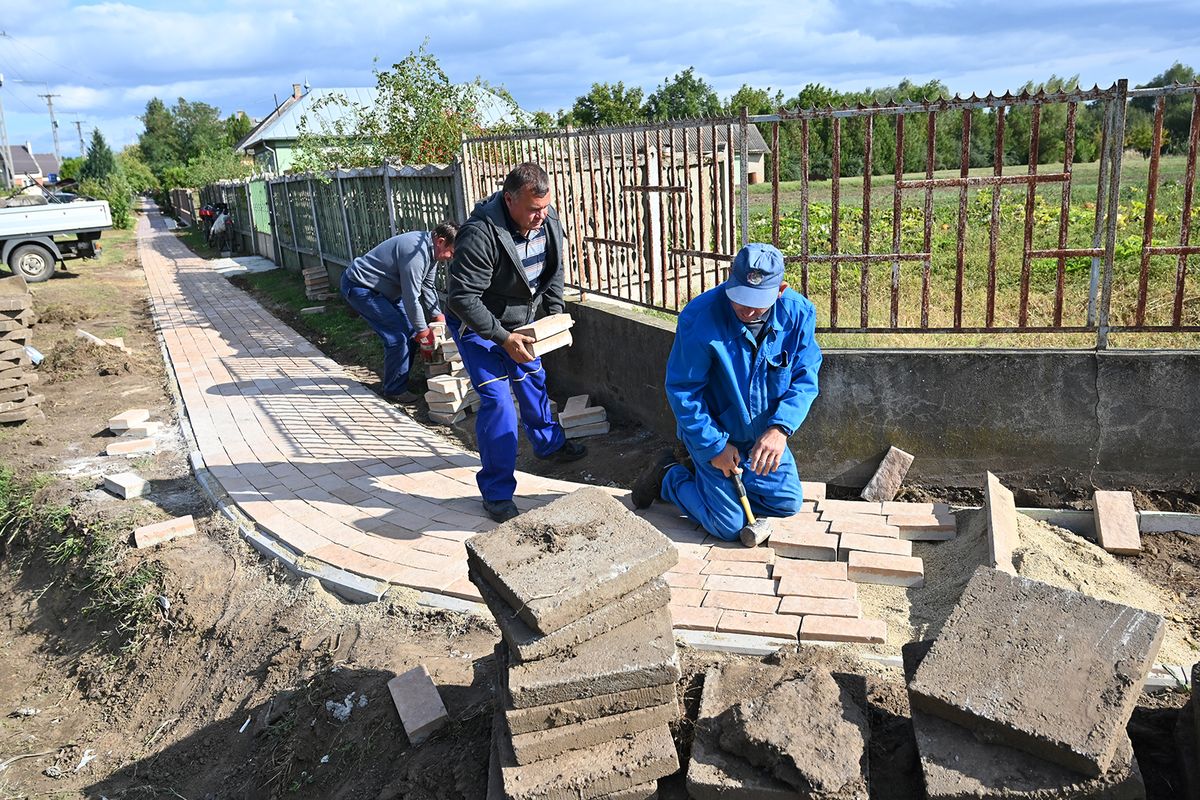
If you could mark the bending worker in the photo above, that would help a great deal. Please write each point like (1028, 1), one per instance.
(392, 288)
(741, 378)
(508, 265)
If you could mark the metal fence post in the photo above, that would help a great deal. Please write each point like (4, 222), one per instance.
(273, 216)
(345, 217)
(389, 199)
(1117, 141)
(312, 205)
(744, 176)
(292, 216)
(458, 192)
(250, 219)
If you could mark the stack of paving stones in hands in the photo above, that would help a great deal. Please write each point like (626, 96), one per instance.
(1027, 692)
(587, 668)
(548, 333)
(17, 377)
(768, 732)
(450, 394)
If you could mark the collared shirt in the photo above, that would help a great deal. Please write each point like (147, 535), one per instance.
(531, 248)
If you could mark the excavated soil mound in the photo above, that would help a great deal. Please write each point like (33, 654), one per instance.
(75, 358)
(1046, 553)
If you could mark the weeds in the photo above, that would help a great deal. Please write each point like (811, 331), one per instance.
(88, 555)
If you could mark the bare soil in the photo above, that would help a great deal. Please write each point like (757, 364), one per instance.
(237, 687)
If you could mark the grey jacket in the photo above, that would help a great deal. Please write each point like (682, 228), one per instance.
(402, 268)
(486, 287)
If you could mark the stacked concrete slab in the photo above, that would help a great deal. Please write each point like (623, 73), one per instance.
(451, 396)
(316, 283)
(764, 733)
(1038, 683)
(587, 667)
(578, 419)
(18, 403)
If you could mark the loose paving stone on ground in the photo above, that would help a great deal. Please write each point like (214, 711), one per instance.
(888, 478)
(1000, 662)
(419, 704)
(1001, 510)
(165, 531)
(1117, 522)
(126, 485)
(958, 765)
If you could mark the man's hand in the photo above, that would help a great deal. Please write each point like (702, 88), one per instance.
(425, 341)
(440, 318)
(517, 347)
(728, 460)
(767, 452)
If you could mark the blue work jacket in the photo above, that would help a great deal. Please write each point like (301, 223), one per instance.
(722, 390)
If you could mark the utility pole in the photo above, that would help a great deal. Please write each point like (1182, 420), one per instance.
(79, 130)
(5, 152)
(53, 122)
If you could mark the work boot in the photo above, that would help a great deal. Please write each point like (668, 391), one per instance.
(648, 486)
(501, 510)
(570, 451)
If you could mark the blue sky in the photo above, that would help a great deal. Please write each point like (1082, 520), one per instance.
(106, 59)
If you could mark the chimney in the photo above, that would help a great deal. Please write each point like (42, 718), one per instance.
(296, 93)
(29, 148)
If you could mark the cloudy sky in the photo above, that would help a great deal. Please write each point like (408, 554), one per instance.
(104, 60)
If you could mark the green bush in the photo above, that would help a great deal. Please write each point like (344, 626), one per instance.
(115, 189)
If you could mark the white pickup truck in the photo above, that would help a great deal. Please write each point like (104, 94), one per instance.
(34, 238)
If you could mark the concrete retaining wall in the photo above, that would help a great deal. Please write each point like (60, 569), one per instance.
(1034, 417)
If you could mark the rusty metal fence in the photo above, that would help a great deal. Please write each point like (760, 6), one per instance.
(909, 240)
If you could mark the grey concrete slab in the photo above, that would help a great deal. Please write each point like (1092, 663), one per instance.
(808, 731)
(957, 766)
(539, 745)
(527, 644)
(622, 767)
(560, 562)
(999, 663)
(635, 655)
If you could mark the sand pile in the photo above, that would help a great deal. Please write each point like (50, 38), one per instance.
(1046, 553)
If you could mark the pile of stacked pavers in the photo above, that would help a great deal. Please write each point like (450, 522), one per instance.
(1027, 691)
(810, 569)
(450, 394)
(17, 377)
(578, 419)
(316, 283)
(587, 668)
(767, 732)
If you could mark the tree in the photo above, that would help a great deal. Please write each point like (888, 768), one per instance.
(419, 117)
(159, 141)
(237, 127)
(606, 104)
(682, 97)
(137, 174)
(1177, 109)
(199, 128)
(69, 168)
(99, 163)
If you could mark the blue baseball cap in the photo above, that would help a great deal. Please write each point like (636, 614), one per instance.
(755, 276)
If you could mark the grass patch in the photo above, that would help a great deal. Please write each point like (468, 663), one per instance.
(87, 557)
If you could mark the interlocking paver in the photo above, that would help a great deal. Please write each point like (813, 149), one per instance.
(337, 476)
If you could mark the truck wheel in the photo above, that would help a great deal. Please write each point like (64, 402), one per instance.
(33, 262)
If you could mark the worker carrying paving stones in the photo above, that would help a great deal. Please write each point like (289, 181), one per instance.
(507, 267)
(392, 288)
(741, 378)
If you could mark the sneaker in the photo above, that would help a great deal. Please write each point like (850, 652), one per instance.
(501, 510)
(648, 486)
(570, 451)
(404, 398)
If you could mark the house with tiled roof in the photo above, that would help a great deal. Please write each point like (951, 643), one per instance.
(30, 168)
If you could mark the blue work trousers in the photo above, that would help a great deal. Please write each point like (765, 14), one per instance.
(709, 497)
(391, 323)
(492, 372)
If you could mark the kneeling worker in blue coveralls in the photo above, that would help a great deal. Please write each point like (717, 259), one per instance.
(508, 264)
(741, 377)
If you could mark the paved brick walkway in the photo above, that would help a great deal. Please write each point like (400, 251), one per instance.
(339, 477)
